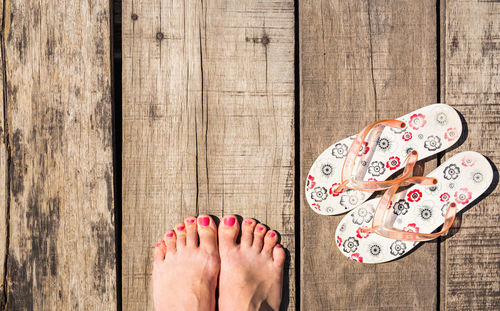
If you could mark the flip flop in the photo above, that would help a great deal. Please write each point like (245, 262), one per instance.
(384, 229)
(341, 179)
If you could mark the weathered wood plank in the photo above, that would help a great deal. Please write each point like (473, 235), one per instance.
(359, 62)
(472, 48)
(207, 122)
(3, 180)
(61, 252)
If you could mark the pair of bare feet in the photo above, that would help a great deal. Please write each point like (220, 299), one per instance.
(188, 261)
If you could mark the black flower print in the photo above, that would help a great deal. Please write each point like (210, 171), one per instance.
(384, 143)
(350, 245)
(432, 143)
(426, 213)
(326, 170)
(318, 194)
(398, 248)
(342, 228)
(339, 150)
(420, 136)
(362, 214)
(375, 249)
(376, 168)
(330, 209)
(401, 207)
(441, 118)
(451, 185)
(351, 199)
(363, 163)
(444, 208)
(433, 190)
(451, 172)
(477, 177)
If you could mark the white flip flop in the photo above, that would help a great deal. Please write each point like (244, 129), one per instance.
(383, 147)
(412, 215)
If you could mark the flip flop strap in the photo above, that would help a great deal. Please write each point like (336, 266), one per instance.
(350, 161)
(384, 204)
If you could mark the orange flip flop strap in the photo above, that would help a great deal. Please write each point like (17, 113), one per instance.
(379, 228)
(350, 161)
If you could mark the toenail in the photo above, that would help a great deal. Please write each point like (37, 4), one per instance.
(204, 221)
(170, 234)
(272, 234)
(229, 221)
(158, 244)
(278, 245)
(180, 228)
(260, 228)
(190, 220)
(248, 222)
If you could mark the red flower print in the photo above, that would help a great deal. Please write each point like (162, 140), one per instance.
(407, 136)
(463, 196)
(316, 206)
(339, 241)
(356, 257)
(451, 134)
(467, 162)
(411, 228)
(332, 189)
(363, 149)
(393, 163)
(414, 195)
(372, 179)
(310, 183)
(389, 205)
(444, 197)
(417, 121)
(360, 234)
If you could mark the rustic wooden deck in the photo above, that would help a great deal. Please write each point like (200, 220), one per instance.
(120, 118)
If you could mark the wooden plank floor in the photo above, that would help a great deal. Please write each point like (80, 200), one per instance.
(217, 99)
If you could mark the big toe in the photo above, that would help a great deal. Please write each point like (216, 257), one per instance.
(207, 231)
(228, 232)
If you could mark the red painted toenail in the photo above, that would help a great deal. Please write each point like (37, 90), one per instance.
(158, 244)
(191, 220)
(204, 221)
(180, 228)
(170, 234)
(272, 234)
(248, 222)
(278, 246)
(229, 221)
(260, 228)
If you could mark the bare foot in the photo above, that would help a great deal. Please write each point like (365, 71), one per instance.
(185, 270)
(251, 276)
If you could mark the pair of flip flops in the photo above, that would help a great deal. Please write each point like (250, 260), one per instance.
(382, 229)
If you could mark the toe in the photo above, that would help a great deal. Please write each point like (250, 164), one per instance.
(180, 233)
(207, 231)
(191, 232)
(269, 242)
(247, 229)
(159, 252)
(170, 240)
(228, 232)
(258, 236)
(278, 256)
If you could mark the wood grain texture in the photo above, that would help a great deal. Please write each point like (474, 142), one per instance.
(207, 122)
(472, 72)
(61, 250)
(3, 180)
(361, 61)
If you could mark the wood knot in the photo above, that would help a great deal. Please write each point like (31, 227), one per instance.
(159, 35)
(265, 40)
(134, 16)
